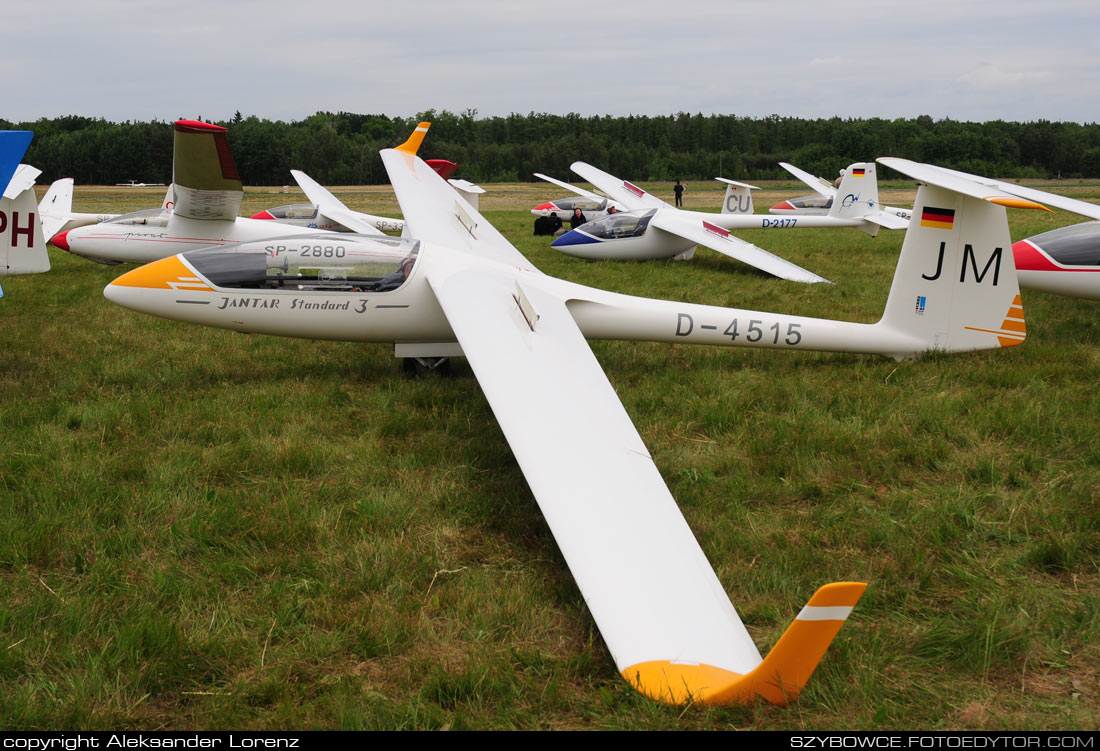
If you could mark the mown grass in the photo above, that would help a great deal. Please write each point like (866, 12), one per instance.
(203, 529)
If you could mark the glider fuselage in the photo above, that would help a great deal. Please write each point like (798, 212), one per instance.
(316, 287)
(146, 236)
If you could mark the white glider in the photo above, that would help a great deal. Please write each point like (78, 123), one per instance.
(206, 195)
(455, 285)
(55, 210)
(653, 229)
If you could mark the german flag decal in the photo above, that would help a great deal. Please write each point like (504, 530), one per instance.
(937, 218)
(858, 172)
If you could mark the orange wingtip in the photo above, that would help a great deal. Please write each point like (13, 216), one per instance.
(1017, 203)
(779, 678)
(412, 145)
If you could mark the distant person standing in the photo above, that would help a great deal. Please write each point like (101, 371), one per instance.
(679, 190)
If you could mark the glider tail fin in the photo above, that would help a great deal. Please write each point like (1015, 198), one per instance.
(857, 196)
(955, 287)
(56, 206)
(738, 198)
(22, 246)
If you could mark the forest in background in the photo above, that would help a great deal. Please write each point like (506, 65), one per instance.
(342, 148)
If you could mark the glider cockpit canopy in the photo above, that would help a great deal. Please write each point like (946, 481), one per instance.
(344, 263)
(622, 224)
(294, 211)
(580, 202)
(1075, 245)
(144, 218)
(811, 202)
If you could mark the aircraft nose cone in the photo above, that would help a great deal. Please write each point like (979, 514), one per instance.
(1028, 257)
(544, 207)
(262, 215)
(61, 240)
(573, 237)
(167, 273)
(782, 206)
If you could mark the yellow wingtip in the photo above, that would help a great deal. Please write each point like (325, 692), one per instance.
(412, 145)
(1017, 203)
(778, 679)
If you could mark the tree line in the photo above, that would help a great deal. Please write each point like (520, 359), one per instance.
(342, 148)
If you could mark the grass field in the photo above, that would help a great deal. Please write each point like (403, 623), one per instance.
(200, 529)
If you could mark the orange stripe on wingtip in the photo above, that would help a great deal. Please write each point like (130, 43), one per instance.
(1014, 325)
(1015, 312)
(412, 145)
(1009, 341)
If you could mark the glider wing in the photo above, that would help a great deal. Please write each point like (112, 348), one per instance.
(621, 191)
(331, 206)
(579, 191)
(817, 184)
(702, 232)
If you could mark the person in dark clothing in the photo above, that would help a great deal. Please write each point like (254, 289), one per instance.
(577, 219)
(547, 225)
(679, 190)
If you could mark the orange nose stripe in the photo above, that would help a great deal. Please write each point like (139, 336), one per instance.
(167, 273)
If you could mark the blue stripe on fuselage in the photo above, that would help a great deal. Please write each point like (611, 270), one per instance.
(573, 237)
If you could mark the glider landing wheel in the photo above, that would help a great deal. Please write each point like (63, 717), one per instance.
(416, 367)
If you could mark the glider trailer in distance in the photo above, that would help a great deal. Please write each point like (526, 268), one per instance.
(455, 285)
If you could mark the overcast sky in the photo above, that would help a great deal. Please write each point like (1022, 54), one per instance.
(142, 60)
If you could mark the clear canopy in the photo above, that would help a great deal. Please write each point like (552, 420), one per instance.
(1075, 245)
(579, 202)
(811, 202)
(145, 217)
(294, 211)
(321, 262)
(623, 224)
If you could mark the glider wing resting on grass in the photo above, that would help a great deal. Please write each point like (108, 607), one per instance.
(454, 285)
(22, 245)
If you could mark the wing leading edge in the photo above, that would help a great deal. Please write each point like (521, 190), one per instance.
(702, 232)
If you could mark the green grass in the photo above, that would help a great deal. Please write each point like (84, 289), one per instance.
(203, 529)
